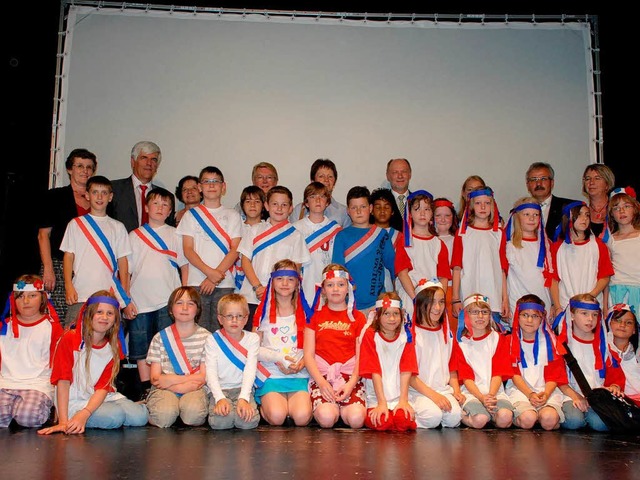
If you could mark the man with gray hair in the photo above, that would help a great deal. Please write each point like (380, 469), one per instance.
(129, 194)
(540, 181)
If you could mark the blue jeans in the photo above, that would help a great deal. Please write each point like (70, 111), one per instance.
(209, 317)
(574, 418)
(118, 413)
(143, 328)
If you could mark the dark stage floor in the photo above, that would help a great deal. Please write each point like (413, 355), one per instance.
(312, 453)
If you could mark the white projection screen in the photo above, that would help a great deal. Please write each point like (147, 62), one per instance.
(231, 91)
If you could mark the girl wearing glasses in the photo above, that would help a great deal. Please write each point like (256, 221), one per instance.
(623, 344)
(539, 369)
(483, 363)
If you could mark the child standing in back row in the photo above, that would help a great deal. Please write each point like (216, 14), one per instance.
(268, 242)
(319, 234)
(366, 250)
(479, 257)
(210, 237)
(154, 262)
(95, 250)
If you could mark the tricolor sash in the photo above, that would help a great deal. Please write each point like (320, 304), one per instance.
(322, 236)
(176, 352)
(237, 355)
(240, 276)
(151, 238)
(367, 242)
(393, 236)
(272, 236)
(100, 243)
(212, 228)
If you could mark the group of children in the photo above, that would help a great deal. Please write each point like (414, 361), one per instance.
(280, 320)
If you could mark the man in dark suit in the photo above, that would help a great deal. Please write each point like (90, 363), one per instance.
(129, 193)
(399, 176)
(540, 183)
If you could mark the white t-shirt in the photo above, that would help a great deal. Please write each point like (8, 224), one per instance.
(205, 247)
(153, 277)
(90, 272)
(319, 258)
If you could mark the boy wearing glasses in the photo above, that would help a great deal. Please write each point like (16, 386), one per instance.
(231, 360)
(211, 234)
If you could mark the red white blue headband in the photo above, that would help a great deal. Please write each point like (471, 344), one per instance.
(465, 216)
(423, 284)
(329, 275)
(564, 325)
(387, 302)
(268, 305)
(463, 321)
(626, 191)
(517, 354)
(22, 286)
(10, 312)
(542, 250)
(566, 211)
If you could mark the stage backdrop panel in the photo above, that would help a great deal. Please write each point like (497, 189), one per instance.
(232, 91)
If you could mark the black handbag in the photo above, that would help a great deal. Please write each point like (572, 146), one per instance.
(620, 414)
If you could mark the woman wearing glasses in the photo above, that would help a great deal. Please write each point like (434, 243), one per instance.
(62, 205)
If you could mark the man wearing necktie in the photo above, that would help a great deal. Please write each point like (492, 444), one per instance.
(540, 182)
(129, 194)
(399, 176)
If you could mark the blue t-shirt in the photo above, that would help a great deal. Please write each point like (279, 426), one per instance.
(367, 266)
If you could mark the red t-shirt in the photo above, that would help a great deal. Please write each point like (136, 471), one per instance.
(336, 334)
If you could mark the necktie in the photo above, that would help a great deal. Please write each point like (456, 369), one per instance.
(143, 204)
(401, 203)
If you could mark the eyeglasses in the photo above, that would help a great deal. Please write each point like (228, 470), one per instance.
(189, 189)
(588, 179)
(532, 316)
(538, 179)
(623, 323)
(624, 206)
(475, 313)
(211, 181)
(269, 178)
(89, 168)
(229, 317)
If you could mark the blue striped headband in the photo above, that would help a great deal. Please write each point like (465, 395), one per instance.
(530, 306)
(104, 299)
(285, 273)
(477, 193)
(584, 305)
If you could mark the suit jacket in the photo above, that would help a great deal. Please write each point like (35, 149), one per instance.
(123, 207)
(555, 214)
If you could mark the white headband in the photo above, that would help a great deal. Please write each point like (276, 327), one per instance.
(475, 299)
